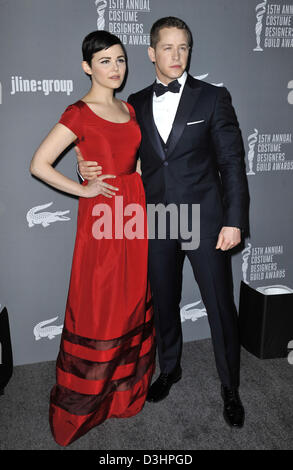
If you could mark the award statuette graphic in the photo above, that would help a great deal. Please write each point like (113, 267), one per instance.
(101, 6)
(290, 95)
(252, 139)
(245, 255)
(260, 11)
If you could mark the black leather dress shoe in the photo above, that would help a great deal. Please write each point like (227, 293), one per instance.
(233, 409)
(161, 387)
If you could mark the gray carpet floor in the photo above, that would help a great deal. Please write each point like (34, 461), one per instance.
(190, 418)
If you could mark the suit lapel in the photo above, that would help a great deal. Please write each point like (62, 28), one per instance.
(189, 97)
(149, 123)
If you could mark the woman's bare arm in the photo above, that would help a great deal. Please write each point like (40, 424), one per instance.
(49, 150)
(56, 141)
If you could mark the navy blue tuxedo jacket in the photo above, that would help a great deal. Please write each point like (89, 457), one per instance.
(203, 159)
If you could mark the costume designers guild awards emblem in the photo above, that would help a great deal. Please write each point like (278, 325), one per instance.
(273, 29)
(263, 263)
(127, 19)
(269, 152)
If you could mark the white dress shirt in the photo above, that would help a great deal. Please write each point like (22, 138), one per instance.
(165, 108)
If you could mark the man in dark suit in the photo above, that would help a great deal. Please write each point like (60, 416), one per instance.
(192, 153)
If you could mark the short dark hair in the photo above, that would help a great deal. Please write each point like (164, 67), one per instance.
(169, 22)
(97, 41)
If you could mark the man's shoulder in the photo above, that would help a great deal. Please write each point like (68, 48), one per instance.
(141, 94)
(205, 86)
(208, 88)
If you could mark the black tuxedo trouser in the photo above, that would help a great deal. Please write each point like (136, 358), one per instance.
(213, 274)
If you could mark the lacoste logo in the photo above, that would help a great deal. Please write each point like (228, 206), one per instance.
(43, 331)
(188, 312)
(44, 218)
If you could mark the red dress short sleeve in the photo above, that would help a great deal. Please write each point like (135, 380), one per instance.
(72, 120)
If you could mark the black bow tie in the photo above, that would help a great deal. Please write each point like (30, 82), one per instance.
(160, 89)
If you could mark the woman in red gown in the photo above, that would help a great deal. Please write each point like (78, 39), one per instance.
(107, 351)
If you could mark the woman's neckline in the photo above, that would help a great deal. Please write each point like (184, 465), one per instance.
(106, 120)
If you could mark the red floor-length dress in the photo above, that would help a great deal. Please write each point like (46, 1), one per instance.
(107, 351)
